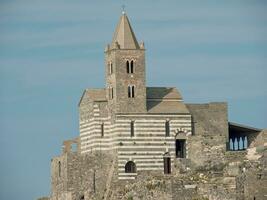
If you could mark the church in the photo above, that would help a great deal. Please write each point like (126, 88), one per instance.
(139, 142)
(139, 122)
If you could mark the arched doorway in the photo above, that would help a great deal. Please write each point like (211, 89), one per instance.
(180, 148)
(130, 167)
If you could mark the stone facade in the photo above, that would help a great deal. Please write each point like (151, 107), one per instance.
(139, 142)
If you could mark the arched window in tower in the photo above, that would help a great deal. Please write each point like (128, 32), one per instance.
(128, 66)
(132, 67)
(130, 167)
(110, 68)
(131, 91)
(110, 92)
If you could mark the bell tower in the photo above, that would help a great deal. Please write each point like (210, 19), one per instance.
(125, 70)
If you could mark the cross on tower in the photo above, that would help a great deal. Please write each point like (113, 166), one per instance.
(123, 9)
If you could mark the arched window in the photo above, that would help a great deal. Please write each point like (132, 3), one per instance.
(130, 167)
(110, 68)
(110, 92)
(180, 148)
(59, 168)
(132, 67)
(128, 67)
(131, 91)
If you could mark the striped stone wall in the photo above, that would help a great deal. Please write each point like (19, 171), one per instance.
(146, 148)
(149, 143)
(90, 131)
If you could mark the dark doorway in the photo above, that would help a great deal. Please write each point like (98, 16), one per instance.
(180, 148)
(130, 167)
(167, 165)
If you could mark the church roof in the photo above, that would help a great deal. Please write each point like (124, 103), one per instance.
(163, 93)
(175, 107)
(93, 95)
(165, 100)
(159, 99)
(124, 34)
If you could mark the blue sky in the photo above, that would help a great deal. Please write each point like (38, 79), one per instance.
(51, 50)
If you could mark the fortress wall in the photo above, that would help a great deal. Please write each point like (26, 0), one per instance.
(84, 175)
(210, 124)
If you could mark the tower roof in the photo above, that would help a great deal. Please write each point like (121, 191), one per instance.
(124, 34)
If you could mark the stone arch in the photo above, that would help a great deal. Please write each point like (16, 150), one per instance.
(130, 167)
(180, 144)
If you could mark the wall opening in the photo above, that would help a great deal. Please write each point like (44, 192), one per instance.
(59, 168)
(240, 136)
(132, 128)
(131, 91)
(180, 146)
(74, 147)
(192, 125)
(130, 167)
(167, 164)
(167, 128)
(102, 130)
(238, 143)
(110, 92)
(128, 67)
(110, 68)
(132, 67)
